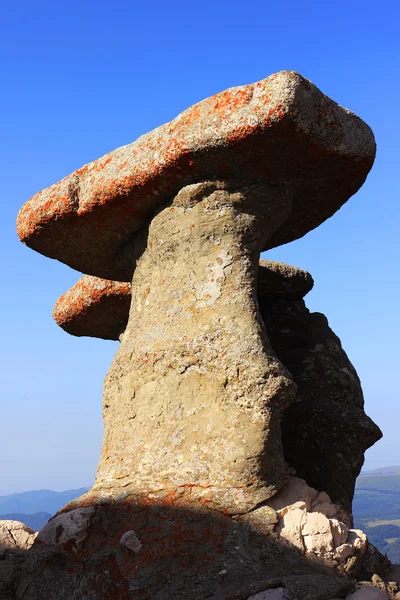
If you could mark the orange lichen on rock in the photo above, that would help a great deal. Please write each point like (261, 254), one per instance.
(94, 307)
(281, 129)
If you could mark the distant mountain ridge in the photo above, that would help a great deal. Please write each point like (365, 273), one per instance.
(37, 501)
(382, 471)
(35, 522)
(376, 509)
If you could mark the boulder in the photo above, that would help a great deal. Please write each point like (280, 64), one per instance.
(16, 535)
(67, 529)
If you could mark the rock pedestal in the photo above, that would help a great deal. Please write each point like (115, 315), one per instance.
(194, 397)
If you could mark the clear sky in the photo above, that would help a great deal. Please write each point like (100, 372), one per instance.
(81, 78)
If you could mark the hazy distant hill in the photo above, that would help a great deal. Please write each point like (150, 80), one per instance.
(36, 521)
(382, 471)
(37, 501)
(379, 482)
(376, 509)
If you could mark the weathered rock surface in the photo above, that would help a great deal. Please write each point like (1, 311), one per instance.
(184, 551)
(304, 343)
(327, 450)
(194, 396)
(192, 497)
(15, 540)
(308, 519)
(281, 130)
(67, 529)
(100, 308)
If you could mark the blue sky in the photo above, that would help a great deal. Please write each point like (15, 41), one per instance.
(82, 78)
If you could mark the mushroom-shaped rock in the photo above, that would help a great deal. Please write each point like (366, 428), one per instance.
(281, 130)
(194, 398)
(100, 308)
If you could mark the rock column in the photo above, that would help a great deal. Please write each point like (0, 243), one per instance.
(193, 399)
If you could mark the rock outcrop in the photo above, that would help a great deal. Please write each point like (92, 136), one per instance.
(198, 399)
(15, 540)
(328, 450)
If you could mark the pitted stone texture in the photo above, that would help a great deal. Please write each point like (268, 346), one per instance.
(67, 529)
(16, 535)
(281, 130)
(100, 308)
(194, 396)
(326, 431)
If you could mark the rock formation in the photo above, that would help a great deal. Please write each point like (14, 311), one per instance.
(207, 383)
(329, 452)
(15, 539)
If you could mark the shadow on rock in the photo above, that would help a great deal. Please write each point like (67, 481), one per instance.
(147, 549)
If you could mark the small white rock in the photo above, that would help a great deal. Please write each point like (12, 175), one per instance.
(357, 539)
(289, 527)
(320, 544)
(326, 508)
(131, 541)
(296, 490)
(317, 533)
(320, 499)
(342, 552)
(315, 523)
(339, 532)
